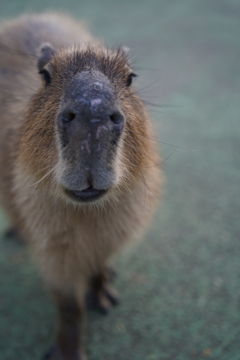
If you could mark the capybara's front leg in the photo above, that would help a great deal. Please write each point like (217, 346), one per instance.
(68, 344)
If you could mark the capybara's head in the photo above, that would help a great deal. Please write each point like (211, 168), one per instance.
(85, 128)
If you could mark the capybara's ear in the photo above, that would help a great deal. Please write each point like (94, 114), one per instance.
(125, 50)
(45, 55)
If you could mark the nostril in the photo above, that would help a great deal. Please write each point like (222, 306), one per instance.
(68, 116)
(116, 118)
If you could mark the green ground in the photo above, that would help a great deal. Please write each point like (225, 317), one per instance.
(180, 288)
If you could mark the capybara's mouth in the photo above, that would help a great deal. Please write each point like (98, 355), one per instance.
(86, 195)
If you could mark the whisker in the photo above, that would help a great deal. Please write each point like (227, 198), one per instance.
(138, 149)
(164, 143)
(158, 164)
(47, 174)
(159, 105)
(145, 68)
(146, 87)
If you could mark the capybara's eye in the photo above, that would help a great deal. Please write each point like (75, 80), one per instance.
(46, 76)
(129, 78)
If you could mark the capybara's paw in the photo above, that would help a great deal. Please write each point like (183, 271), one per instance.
(106, 297)
(102, 295)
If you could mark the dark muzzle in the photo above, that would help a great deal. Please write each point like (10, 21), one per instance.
(89, 125)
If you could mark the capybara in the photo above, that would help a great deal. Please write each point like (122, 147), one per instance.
(79, 174)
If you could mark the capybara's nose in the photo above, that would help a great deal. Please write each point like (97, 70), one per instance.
(92, 117)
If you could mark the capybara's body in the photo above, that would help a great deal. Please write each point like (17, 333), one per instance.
(78, 167)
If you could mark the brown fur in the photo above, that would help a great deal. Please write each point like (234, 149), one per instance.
(70, 243)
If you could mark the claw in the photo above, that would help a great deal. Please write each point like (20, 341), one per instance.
(103, 296)
(111, 294)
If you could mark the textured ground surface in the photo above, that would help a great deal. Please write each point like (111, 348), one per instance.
(180, 289)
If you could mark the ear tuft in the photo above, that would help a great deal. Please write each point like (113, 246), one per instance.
(46, 54)
(125, 50)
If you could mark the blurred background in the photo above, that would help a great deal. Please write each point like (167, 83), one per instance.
(180, 288)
